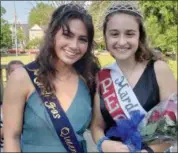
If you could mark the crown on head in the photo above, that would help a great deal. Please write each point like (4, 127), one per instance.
(73, 6)
(128, 6)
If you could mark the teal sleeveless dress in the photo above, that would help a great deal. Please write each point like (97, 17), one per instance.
(39, 135)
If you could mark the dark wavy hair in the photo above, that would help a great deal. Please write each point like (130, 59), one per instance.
(144, 52)
(87, 66)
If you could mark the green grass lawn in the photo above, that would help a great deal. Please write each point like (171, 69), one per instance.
(25, 59)
(103, 59)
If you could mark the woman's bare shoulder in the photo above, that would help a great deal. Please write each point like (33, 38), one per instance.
(19, 75)
(163, 71)
(161, 66)
(165, 78)
(20, 79)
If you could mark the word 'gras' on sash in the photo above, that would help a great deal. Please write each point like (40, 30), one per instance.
(52, 107)
(57, 115)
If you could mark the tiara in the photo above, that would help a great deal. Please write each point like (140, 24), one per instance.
(129, 6)
(73, 6)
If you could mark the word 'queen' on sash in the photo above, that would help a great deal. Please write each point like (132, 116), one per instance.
(57, 115)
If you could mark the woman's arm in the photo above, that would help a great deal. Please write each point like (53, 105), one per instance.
(13, 107)
(167, 86)
(97, 128)
(97, 124)
(166, 81)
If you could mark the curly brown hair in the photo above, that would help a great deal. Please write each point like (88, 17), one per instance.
(87, 66)
(144, 52)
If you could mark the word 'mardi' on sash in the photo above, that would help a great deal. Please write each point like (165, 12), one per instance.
(58, 117)
(118, 96)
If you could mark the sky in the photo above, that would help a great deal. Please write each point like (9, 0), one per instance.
(22, 10)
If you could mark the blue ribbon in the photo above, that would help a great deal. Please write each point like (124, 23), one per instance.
(58, 117)
(127, 131)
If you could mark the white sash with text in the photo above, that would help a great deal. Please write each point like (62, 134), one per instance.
(124, 93)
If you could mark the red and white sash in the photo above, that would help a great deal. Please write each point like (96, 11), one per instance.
(118, 96)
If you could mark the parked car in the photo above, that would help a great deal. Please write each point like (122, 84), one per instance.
(32, 51)
(13, 50)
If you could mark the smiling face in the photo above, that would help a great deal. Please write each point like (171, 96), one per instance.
(70, 46)
(122, 36)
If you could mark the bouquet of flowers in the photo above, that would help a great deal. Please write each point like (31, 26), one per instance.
(157, 126)
(160, 124)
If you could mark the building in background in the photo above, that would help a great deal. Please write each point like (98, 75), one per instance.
(36, 32)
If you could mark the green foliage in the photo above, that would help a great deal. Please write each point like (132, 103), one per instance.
(167, 126)
(20, 34)
(3, 11)
(161, 23)
(149, 130)
(34, 44)
(5, 36)
(21, 37)
(40, 14)
(97, 9)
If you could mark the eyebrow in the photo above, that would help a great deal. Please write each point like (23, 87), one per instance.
(69, 32)
(131, 30)
(116, 30)
(83, 36)
(113, 30)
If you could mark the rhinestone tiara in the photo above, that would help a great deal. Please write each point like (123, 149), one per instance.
(129, 6)
(73, 6)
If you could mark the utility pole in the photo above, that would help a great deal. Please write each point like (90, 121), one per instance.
(15, 26)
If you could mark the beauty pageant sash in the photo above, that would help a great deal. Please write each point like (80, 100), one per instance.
(58, 117)
(118, 96)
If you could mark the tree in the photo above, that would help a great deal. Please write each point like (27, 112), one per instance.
(34, 44)
(97, 10)
(5, 37)
(3, 11)
(161, 19)
(40, 14)
(21, 37)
